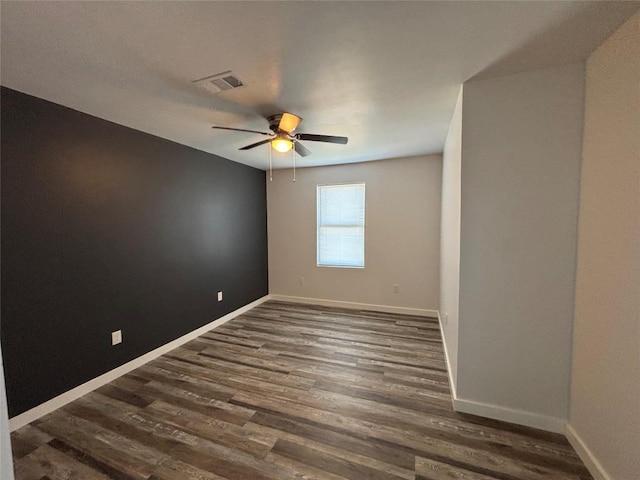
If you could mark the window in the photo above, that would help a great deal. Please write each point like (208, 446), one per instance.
(341, 225)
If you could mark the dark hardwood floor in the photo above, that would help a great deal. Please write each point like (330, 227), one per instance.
(289, 392)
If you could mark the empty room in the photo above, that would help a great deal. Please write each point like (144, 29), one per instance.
(323, 240)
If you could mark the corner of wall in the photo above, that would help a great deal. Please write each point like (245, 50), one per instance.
(586, 455)
(452, 383)
(6, 458)
(450, 240)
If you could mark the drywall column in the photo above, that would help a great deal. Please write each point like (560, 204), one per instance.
(605, 390)
(450, 239)
(521, 153)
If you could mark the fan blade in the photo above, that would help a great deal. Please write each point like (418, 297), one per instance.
(322, 138)
(243, 130)
(301, 149)
(289, 122)
(253, 145)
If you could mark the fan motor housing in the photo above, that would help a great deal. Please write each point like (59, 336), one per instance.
(274, 121)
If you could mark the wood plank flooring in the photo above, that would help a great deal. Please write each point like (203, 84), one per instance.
(289, 392)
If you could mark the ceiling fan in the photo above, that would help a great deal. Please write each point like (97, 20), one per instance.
(283, 139)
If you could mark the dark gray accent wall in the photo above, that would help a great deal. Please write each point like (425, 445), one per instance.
(107, 228)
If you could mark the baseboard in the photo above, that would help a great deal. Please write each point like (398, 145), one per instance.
(447, 361)
(497, 412)
(77, 392)
(511, 415)
(356, 306)
(586, 455)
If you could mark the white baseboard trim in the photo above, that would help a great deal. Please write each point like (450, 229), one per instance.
(511, 415)
(452, 384)
(586, 455)
(356, 306)
(77, 392)
(497, 412)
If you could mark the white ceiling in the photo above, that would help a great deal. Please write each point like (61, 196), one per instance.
(385, 74)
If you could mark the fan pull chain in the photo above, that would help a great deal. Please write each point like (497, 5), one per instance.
(270, 164)
(294, 161)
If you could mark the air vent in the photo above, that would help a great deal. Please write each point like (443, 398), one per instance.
(220, 82)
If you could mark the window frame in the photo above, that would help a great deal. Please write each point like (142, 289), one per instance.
(364, 223)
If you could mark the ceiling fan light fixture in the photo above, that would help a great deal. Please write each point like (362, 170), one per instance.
(282, 138)
(282, 145)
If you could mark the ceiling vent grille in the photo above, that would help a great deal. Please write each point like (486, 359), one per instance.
(220, 82)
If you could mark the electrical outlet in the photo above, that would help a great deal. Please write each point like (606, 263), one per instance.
(446, 318)
(219, 296)
(116, 337)
(396, 288)
(301, 280)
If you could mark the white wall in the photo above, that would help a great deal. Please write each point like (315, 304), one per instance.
(6, 460)
(401, 240)
(605, 389)
(521, 149)
(450, 238)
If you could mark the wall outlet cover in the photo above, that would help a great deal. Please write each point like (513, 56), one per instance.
(219, 296)
(116, 337)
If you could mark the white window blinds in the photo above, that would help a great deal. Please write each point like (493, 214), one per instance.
(341, 225)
